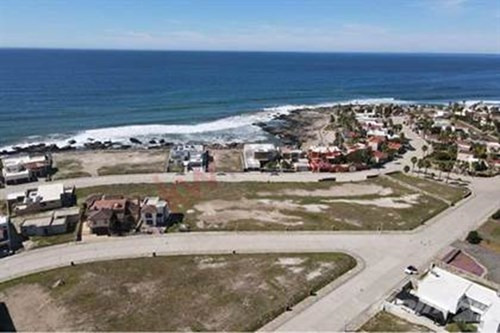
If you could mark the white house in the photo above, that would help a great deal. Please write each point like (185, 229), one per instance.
(24, 168)
(451, 295)
(256, 155)
(467, 157)
(154, 211)
(5, 240)
(191, 157)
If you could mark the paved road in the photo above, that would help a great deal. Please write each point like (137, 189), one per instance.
(384, 256)
(397, 165)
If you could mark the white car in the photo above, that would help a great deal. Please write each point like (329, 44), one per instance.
(411, 270)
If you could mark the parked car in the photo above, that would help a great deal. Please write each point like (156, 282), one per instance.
(411, 270)
(4, 252)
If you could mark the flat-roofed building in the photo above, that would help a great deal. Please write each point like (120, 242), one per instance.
(257, 155)
(189, 157)
(58, 222)
(25, 168)
(44, 197)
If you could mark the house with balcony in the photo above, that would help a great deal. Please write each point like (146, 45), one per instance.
(25, 168)
(448, 297)
(154, 212)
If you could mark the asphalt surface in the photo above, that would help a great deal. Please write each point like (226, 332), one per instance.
(384, 256)
(396, 165)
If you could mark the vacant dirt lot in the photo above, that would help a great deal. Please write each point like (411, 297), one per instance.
(94, 163)
(226, 160)
(370, 205)
(183, 293)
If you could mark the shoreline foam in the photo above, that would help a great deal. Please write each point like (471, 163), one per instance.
(234, 129)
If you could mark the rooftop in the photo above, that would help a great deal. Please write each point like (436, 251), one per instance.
(444, 291)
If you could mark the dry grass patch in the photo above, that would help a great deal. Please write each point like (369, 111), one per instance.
(448, 192)
(387, 322)
(126, 169)
(202, 293)
(109, 162)
(370, 205)
(70, 168)
(490, 232)
(226, 160)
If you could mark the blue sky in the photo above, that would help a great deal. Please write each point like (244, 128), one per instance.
(263, 25)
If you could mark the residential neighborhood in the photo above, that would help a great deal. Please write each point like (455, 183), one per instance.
(373, 168)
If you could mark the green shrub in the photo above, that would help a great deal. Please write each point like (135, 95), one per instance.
(474, 238)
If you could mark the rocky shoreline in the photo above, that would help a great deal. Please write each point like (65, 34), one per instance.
(95, 145)
(292, 129)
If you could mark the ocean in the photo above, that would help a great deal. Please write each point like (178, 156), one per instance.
(54, 96)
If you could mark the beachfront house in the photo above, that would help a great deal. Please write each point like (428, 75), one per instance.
(448, 297)
(257, 155)
(45, 197)
(323, 158)
(110, 215)
(189, 158)
(154, 212)
(294, 159)
(24, 168)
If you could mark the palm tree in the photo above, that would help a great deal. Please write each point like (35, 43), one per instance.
(424, 149)
(414, 160)
(406, 169)
(441, 167)
(427, 164)
(451, 166)
(420, 164)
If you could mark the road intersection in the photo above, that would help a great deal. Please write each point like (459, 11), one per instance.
(381, 256)
(384, 256)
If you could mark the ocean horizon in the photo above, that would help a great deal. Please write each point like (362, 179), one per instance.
(57, 95)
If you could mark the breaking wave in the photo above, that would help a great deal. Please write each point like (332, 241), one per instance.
(238, 128)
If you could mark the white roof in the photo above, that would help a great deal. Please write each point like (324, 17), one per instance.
(4, 219)
(39, 222)
(67, 211)
(155, 201)
(324, 149)
(15, 195)
(50, 192)
(259, 147)
(442, 289)
(21, 159)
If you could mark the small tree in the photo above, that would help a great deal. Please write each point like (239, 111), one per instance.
(406, 169)
(414, 161)
(474, 238)
(420, 164)
(424, 149)
(427, 165)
